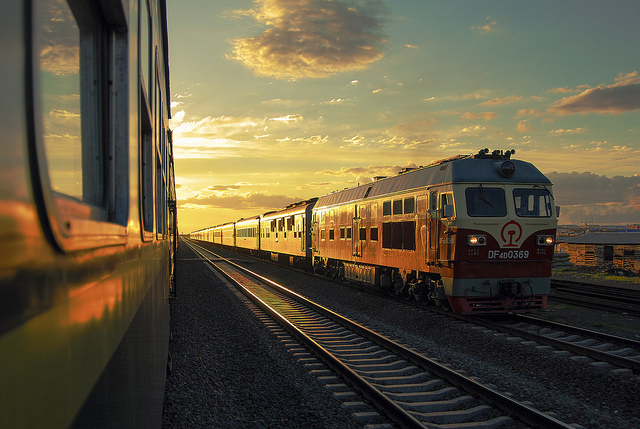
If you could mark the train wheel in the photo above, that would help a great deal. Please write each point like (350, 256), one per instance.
(400, 288)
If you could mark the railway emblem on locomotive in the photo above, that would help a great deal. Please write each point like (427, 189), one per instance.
(511, 233)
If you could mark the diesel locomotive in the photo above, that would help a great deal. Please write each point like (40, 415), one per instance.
(473, 233)
(87, 213)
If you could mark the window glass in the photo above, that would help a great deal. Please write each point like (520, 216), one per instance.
(386, 208)
(486, 202)
(331, 234)
(70, 75)
(363, 212)
(349, 233)
(342, 233)
(363, 234)
(409, 205)
(532, 202)
(145, 47)
(374, 234)
(397, 207)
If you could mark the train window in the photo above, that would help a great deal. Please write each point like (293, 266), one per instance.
(348, 233)
(331, 234)
(409, 235)
(363, 234)
(374, 210)
(374, 234)
(73, 100)
(386, 208)
(399, 235)
(445, 200)
(331, 216)
(363, 212)
(532, 202)
(434, 201)
(386, 235)
(342, 233)
(397, 207)
(409, 205)
(145, 48)
(323, 234)
(485, 202)
(78, 71)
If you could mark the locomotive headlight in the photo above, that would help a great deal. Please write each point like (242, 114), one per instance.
(507, 169)
(477, 240)
(545, 240)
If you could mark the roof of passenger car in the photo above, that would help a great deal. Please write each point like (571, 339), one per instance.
(465, 170)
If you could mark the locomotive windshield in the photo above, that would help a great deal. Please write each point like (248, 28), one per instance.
(532, 202)
(486, 202)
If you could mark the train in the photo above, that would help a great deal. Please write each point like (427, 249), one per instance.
(88, 223)
(471, 233)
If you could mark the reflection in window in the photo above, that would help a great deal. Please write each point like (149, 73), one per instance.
(486, 202)
(70, 76)
(532, 202)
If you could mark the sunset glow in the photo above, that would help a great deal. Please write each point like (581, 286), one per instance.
(276, 101)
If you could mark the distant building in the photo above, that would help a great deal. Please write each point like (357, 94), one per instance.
(598, 248)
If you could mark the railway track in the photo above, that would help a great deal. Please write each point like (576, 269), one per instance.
(610, 349)
(408, 388)
(593, 296)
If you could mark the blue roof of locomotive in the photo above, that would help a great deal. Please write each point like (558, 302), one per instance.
(466, 170)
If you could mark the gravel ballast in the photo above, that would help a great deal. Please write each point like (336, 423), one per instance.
(229, 370)
(575, 391)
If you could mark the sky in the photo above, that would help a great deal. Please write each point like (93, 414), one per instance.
(278, 101)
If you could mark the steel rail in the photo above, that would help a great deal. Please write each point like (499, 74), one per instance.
(601, 336)
(508, 405)
(603, 356)
(366, 389)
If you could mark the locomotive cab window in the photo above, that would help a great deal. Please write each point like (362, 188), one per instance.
(79, 72)
(486, 202)
(532, 202)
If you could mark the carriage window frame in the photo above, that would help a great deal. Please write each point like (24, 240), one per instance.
(99, 216)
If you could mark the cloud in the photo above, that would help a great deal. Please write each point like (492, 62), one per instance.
(60, 43)
(220, 188)
(364, 174)
(528, 112)
(594, 198)
(487, 116)
(621, 97)
(523, 126)
(240, 202)
(562, 131)
(485, 28)
(288, 118)
(312, 38)
(505, 100)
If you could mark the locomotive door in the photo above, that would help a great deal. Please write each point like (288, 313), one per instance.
(302, 233)
(433, 228)
(355, 235)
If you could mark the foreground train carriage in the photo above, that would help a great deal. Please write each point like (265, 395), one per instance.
(87, 213)
(475, 233)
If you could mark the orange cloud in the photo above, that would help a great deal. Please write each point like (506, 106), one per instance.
(312, 38)
(487, 116)
(498, 101)
(621, 97)
(523, 126)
